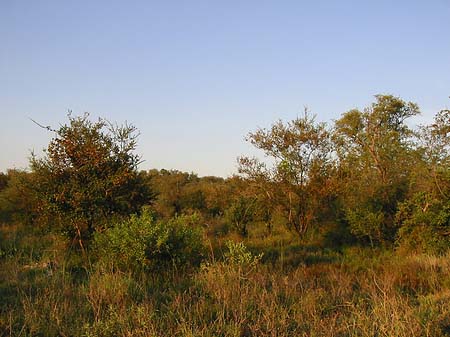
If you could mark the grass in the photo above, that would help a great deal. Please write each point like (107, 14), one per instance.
(295, 290)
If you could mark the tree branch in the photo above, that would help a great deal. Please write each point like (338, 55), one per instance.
(48, 127)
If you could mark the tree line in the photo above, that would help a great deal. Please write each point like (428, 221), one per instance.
(367, 178)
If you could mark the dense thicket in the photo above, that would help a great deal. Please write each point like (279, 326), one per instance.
(369, 177)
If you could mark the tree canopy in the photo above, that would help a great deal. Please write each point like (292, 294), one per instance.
(297, 180)
(89, 176)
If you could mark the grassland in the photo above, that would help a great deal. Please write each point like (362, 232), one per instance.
(292, 290)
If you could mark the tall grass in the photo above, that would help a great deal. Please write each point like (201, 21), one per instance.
(360, 292)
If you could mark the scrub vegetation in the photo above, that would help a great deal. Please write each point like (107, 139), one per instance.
(340, 229)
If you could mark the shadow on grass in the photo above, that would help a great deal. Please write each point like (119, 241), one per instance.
(297, 254)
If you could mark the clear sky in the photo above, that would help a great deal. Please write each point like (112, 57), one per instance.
(196, 76)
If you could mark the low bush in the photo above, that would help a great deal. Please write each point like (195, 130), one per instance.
(144, 243)
(239, 255)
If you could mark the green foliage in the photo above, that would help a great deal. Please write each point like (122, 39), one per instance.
(379, 181)
(424, 218)
(19, 202)
(240, 213)
(424, 224)
(144, 243)
(239, 255)
(3, 181)
(170, 187)
(186, 193)
(89, 176)
(434, 149)
(360, 292)
(376, 159)
(366, 223)
(298, 181)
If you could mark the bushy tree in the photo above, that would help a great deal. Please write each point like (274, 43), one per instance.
(88, 176)
(297, 180)
(424, 218)
(240, 213)
(186, 193)
(177, 192)
(376, 159)
(424, 223)
(19, 202)
(434, 145)
(3, 181)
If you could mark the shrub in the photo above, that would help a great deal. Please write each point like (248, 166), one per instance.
(365, 223)
(240, 214)
(424, 225)
(144, 243)
(239, 255)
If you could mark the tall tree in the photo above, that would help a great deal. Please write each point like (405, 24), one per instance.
(375, 152)
(435, 146)
(424, 218)
(300, 152)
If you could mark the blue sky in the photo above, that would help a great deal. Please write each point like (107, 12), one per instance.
(196, 76)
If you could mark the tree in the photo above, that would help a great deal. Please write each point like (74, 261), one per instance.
(3, 181)
(375, 151)
(19, 202)
(88, 176)
(175, 189)
(301, 154)
(435, 148)
(424, 217)
(242, 206)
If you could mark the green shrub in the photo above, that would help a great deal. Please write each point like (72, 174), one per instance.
(366, 223)
(239, 255)
(424, 225)
(240, 214)
(144, 243)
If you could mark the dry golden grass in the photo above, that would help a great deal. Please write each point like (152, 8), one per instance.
(359, 293)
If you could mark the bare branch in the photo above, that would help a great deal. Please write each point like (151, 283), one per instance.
(48, 127)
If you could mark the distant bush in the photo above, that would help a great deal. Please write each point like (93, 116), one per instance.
(144, 243)
(19, 202)
(240, 214)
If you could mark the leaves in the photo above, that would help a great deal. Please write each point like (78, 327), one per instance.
(89, 175)
(301, 151)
